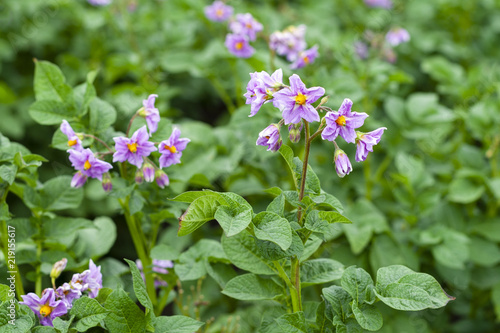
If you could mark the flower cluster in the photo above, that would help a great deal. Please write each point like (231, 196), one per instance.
(134, 150)
(99, 2)
(295, 103)
(382, 45)
(56, 302)
(160, 267)
(291, 43)
(387, 4)
(243, 28)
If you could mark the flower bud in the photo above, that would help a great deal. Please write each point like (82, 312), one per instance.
(142, 112)
(342, 164)
(294, 132)
(139, 177)
(106, 182)
(78, 180)
(161, 178)
(149, 172)
(58, 268)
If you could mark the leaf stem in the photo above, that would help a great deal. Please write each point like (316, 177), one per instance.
(102, 142)
(130, 124)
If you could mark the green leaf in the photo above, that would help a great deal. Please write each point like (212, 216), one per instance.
(357, 282)
(98, 241)
(233, 219)
(483, 252)
(328, 200)
(57, 194)
(272, 251)
(50, 83)
(102, 115)
(191, 264)
(404, 297)
(125, 316)
(339, 301)
(88, 313)
(43, 329)
(62, 326)
(270, 226)
(333, 217)
(198, 213)
(312, 180)
(292, 323)
(250, 287)
(495, 298)
(287, 154)
(464, 190)
(176, 324)
(315, 223)
(8, 173)
(367, 316)
(243, 253)
(191, 196)
(50, 112)
(277, 206)
(139, 286)
(61, 227)
(454, 251)
(318, 271)
(165, 252)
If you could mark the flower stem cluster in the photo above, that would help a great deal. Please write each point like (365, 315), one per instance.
(56, 302)
(134, 150)
(295, 103)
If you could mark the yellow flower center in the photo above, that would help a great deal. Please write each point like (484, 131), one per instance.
(239, 45)
(87, 165)
(267, 137)
(300, 99)
(249, 25)
(306, 59)
(71, 143)
(45, 310)
(340, 121)
(219, 12)
(132, 147)
(172, 149)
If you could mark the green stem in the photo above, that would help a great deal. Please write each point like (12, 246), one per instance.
(293, 291)
(38, 283)
(304, 171)
(296, 292)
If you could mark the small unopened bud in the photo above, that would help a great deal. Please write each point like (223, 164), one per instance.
(342, 164)
(106, 182)
(149, 172)
(294, 132)
(78, 180)
(58, 268)
(142, 112)
(161, 178)
(139, 177)
(324, 100)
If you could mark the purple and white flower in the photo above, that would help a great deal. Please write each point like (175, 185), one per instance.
(342, 164)
(361, 49)
(295, 101)
(87, 164)
(246, 25)
(148, 172)
(397, 36)
(270, 137)
(133, 149)
(46, 308)
(90, 279)
(343, 122)
(78, 180)
(67, 294)
(261, 87)
(366, 141)
(305, 58)
(239, 45)
(159, 266)
(171, 149)
(218, 11)
(387, 4)
(74, 142)
(151, 113)
(99, 2)
(289, 42)
(161, 178)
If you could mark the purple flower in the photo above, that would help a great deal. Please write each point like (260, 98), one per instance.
(397, 36)
(239, 46)
(149, 172)
(289, 42)
(389, 55)
(46, 308)
(91, 279)
(159, 266)
(387, 4)
(107, 185)
(171, 149)
(305, 58)
(294, 132)
(270, 137)
(366, 141)
(74, 142)
(89, 165)
(343, 122)
(161, 178)
(245, 25)
(261, 87)
(361, 49)
(78, 180)
(134, 149)
(99, 2)
(218, 11)
(68, 294)
(295, 102)
(151, 113)
(58, 267)
(342, 164)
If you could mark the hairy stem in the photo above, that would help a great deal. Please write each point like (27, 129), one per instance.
(296, 292)
(102, 142)
(130, 124)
